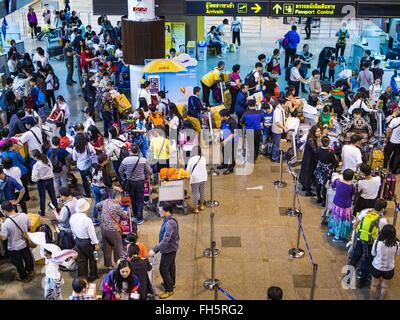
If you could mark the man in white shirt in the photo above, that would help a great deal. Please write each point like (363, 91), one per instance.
(86, 242)
(278, 127)
(296, 78)
(33, 138)
(257, 73)
(351, 154)
(362, 250)
(392, 148)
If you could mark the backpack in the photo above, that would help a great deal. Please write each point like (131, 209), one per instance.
(47, 231)
(342, 38)
(285, 42)
(368, 228)
(270, 65)
(56, 83)
(41, 98)
(3, 99)
(57, 165)
(287, 73)
(156, 119)
(250, 79)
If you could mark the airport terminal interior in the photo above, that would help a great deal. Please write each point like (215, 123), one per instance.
(253, 231)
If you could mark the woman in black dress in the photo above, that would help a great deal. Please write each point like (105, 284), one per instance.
(309, 161)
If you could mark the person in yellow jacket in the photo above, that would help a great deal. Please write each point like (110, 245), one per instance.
(209, 81)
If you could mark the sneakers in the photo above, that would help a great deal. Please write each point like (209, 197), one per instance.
(139, 222)
(222, 166)
(227, 171)
(96, 222)
(166, 294)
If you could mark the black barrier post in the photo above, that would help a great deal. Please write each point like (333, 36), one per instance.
(314, 281)
(396, 210)
(280, 183)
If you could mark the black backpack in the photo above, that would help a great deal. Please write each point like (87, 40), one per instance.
(56, 83)
(47, 231)
(123, 153)
(270, 64)
(250, 79)
(57, 165)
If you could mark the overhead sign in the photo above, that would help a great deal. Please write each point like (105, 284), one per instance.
(378, 10)
(225, 8)
(310, 9)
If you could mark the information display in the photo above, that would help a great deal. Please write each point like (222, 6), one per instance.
(225, 8)
(378, 10)
(310, 9)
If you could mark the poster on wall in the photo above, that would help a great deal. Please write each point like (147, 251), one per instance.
(175, 37)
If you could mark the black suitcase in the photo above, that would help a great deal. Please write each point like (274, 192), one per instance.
(55, 51)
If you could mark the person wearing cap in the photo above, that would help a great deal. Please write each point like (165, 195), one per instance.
(18, 250)
(135, 169)
(168, 247)
(32, 137)
(86, 242)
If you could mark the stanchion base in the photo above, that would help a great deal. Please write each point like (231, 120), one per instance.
(280, 184)
(293, 212)
(295, 253)
(210, 284)
(212, 204)
(208, 253)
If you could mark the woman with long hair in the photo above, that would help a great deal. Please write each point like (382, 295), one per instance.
(121, 283)
(42, 173)
(384, 250)
(309, 162)
(50, 85)
(96, 139)
(83, 154)
(101, 183)
(113, 149)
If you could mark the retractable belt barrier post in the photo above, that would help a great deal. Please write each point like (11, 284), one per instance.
(293, 211)
(296, 253)
(396, 211)
(280, 183)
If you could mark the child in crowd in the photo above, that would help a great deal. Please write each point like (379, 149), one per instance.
(53, 280)
(325, 166)
(267, 115)
(325, 117)
(339, 223)
(332, 66)
(80, 288)
(133, 239)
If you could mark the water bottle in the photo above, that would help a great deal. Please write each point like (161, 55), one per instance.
(96, 255)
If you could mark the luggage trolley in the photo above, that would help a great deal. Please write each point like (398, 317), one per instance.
(172, 191)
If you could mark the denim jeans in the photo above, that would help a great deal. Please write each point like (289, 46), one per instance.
(85, 181)
(276, 144)
(107, 119)
(43, 186)
(60, 179)
(136, 192)
(98, 197)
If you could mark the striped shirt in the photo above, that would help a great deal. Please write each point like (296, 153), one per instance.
(142, 170)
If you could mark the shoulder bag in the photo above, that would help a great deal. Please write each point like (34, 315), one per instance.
(25, 235)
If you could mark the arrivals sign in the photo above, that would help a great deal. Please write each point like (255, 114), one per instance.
(310, 9)
(226, 8)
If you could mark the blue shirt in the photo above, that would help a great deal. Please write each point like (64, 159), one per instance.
(267, 119)
(194, 107)
(10, 188)
(62, 154)
(241, 103)
(17, 160)
(252, 119)
(294, 39)
(16, 126)
(169, 236)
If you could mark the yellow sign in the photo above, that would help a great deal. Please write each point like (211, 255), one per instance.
(242, 8)
(288, 8)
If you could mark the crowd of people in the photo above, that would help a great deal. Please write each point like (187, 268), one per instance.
(118, 163)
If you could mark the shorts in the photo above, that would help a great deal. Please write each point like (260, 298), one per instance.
(387, 275)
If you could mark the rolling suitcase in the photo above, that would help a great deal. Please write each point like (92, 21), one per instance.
(389, 188)
(55, 51)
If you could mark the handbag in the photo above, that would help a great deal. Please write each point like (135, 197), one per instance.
(25, 235)
(126, 182)
(92, 158)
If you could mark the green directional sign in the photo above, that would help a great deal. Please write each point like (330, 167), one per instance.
(309, 9)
